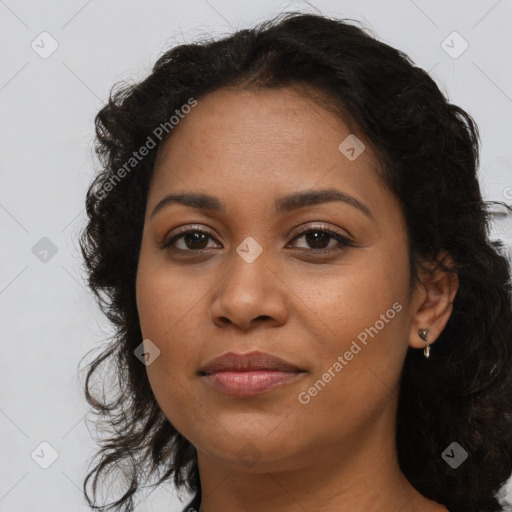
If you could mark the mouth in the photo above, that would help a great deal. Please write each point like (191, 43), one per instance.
(248, 374)
(249, 383)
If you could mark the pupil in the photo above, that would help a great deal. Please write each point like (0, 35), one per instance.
(190, 239)
(319, 237)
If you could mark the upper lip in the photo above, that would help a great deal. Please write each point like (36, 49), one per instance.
(255, 360)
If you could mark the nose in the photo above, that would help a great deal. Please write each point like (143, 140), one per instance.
(249, 294)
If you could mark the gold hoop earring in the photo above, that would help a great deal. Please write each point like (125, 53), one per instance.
(423, 335)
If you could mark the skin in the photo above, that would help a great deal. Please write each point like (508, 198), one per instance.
(337, 452)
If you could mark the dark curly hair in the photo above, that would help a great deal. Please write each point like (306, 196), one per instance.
(428, 150)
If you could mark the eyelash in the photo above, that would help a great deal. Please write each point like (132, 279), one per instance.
(343, 241)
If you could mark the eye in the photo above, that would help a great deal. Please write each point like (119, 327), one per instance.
(319, 238)
(189, 239)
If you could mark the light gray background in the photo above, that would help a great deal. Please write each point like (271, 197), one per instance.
(49, 320)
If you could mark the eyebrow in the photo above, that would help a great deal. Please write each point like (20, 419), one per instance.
(282, 204)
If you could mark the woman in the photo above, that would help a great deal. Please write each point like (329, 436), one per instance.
(291, 241)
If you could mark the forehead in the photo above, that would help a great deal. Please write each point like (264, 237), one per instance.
(265, 139)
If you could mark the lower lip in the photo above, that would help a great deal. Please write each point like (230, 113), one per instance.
(249, 383)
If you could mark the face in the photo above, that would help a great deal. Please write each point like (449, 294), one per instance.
(318, 281)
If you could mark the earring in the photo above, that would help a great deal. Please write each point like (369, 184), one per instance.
(423, 335)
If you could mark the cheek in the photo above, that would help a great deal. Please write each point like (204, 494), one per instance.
(163, 306)
(359, 365)
(159, 306)
(364, 315)
(164, 298)
(350, 298)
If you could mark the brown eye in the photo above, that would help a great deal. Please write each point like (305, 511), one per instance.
(318, 239)
(190, 240)
(195, 240)
(323, 240)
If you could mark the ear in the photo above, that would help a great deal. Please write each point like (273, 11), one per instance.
(432, 301)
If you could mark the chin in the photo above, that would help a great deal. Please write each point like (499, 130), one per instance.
(253, 455)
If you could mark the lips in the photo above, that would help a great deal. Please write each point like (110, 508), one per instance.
(252, 361)
(247, 375)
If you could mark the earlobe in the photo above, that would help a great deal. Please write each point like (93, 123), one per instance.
(433, 302)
